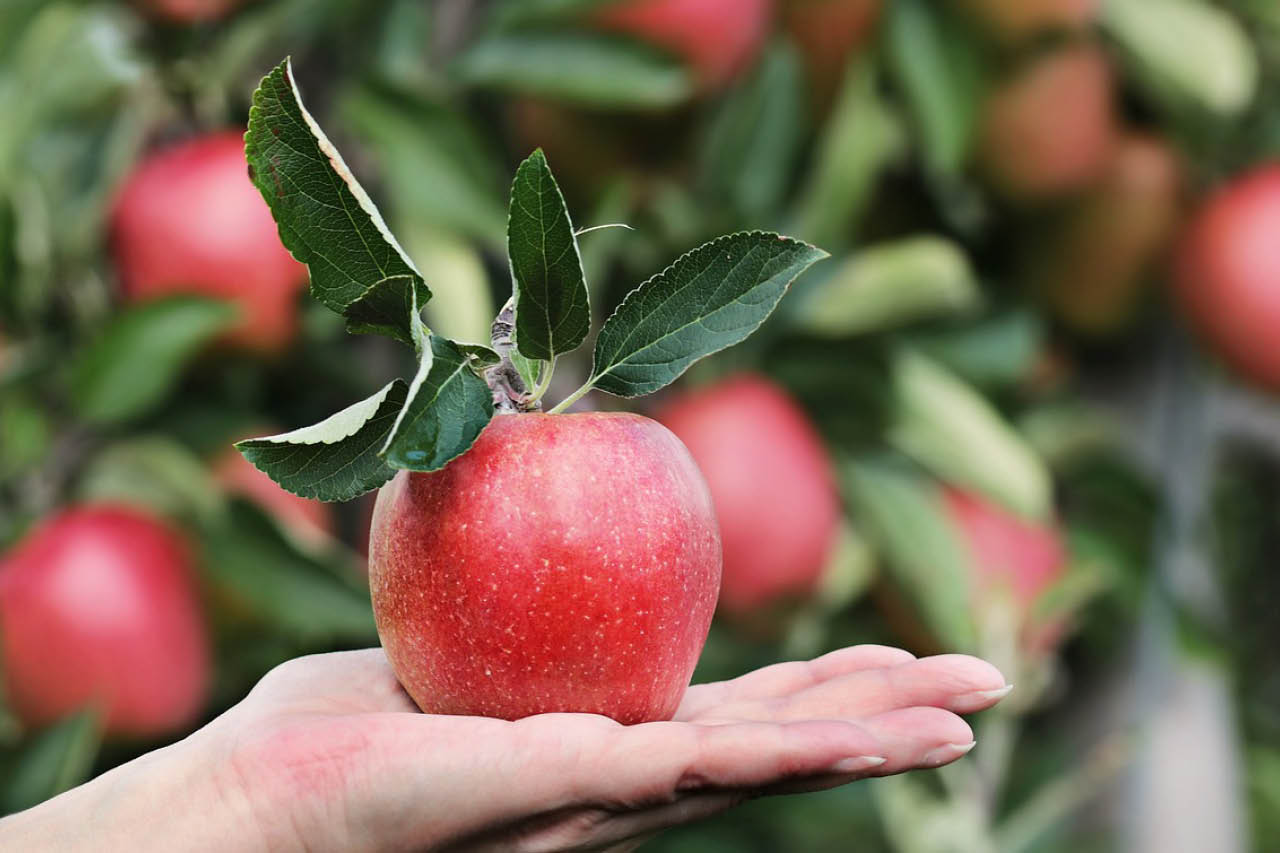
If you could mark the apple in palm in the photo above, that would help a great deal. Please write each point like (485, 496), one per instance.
(772, 486)
(564, 561)
(98, 607)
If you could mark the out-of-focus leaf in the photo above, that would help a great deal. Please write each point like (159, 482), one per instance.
(151, 471)
(752, 144)
(52, 761)
(938, 63)
(25, 433)
(997, 351)
(1063, 432)
(524, 12)
(1186, 52)
(436, 167)
(711, 298)
(888, 285)
(957, 434)
(461, 306)
(141, 355)
(552, 312)
(336, 459)
(581, 67)
(325, 217)
(904, 515)
(861, 138)
(247, 557)
(446, 409)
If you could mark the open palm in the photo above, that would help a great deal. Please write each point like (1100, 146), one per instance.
(328, 752)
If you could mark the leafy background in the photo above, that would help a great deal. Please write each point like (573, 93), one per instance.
(965, 331)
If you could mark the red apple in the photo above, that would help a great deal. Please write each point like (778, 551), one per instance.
(310, 521)
(98, 607)
(827, 33)
(717, 38)
(1019, 20)
(563, 563)
(1093, 262)
(190, 11)
(772, 486)
(1049, 130)
(189, 220)
(1229, 273)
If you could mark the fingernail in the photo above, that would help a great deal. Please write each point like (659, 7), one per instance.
(979, 699)
(946, 753)
(858, 764)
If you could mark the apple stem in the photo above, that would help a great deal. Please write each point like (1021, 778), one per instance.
(573, 398)
(510, 394)
(544, 381)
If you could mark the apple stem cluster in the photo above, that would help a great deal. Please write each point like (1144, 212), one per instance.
(510, 394)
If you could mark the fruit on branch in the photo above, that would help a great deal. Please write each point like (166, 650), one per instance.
(564, 562)
(98, 607)
(1015, 561)
(1228, 273)
(827, 33)
(1049, 130)
(1093, 262)
(309, 521)
(188, 220)
(190, 11)
(772, 485)
(717, 38)
(1020, 20)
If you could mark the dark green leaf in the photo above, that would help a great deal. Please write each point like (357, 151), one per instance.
(325, 217)
(53, 761)
(939, 65)
(552, 312)
(479, 357)
(709, 299)
(582, 67)
(999, 350)
(447, 408)
(336, 459)
(139, 358)
(387, 308)
(249, 558)
(751, 146)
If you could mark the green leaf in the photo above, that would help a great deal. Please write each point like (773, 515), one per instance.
(957, 434)
(54, 760)
(530, 370)
(552, 312)
(889, 285)
(249, 557)
(586, 68)
(336, 459)
(709, 299)
(939, 65)
(479, 357)
(752, 144)
(1162, 36)
(447, 408)
(138, 359)
(904, 515)
(151, 471)
(388, 308)
(1000, 350)
(325, 217)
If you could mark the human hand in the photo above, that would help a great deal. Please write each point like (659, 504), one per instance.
(329, 753)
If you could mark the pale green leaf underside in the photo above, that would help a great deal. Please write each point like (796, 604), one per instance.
(336, 459)
(448, 406)
(552, 312)
(709, 299)
(324, 216)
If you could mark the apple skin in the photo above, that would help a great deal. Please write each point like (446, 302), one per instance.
(1050, 129)
(1020, 20)
(189, 220)
(1228, 273)
(1093, 264)
(717, 38)
(310, 521)
(772, 485)
(190, 11)
(565, 563)
(98, 605)
(827, 33)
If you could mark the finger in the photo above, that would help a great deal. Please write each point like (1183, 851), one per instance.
(784, 678)
(955, 682)
(337, 682)
(916, 738)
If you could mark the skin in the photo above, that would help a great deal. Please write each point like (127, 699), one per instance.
(327, 752)
(771, 483)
